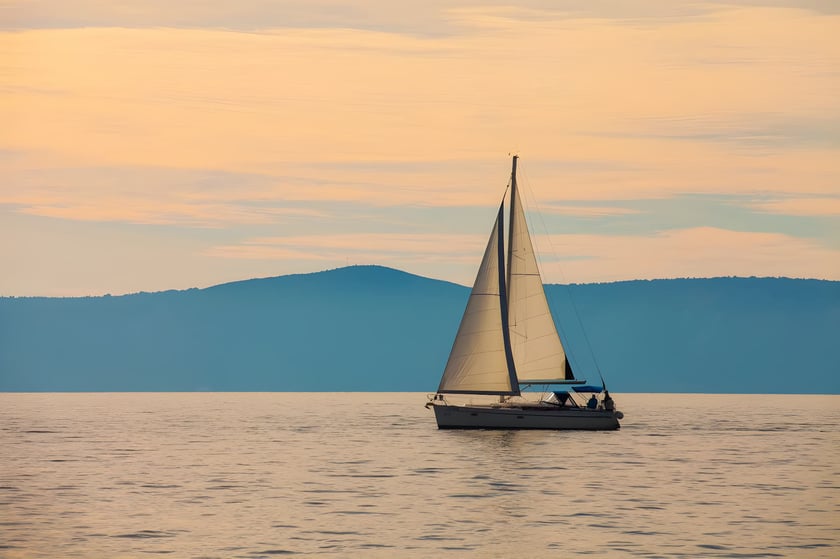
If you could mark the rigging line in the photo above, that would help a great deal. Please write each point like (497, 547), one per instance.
(565, 282)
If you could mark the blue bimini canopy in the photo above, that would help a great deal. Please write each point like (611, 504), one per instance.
(588, 388)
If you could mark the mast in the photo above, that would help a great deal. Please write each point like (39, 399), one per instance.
(503, 298)
(511, 224)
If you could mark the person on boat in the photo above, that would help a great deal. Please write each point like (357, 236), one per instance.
(592, 403)
(609, 403)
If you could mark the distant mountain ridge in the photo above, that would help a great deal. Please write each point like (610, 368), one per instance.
(370, 328)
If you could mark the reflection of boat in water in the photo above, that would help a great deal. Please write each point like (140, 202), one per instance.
(507, 342)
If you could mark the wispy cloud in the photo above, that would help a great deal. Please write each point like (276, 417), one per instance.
(144, 212)
(588, 211)
(148, 195)
(429, 17)
(800, 206)
(756, 132)
(695, 252)
(362, 247)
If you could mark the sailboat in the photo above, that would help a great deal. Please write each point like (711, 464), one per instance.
(507, 342)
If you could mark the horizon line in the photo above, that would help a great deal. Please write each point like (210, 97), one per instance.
(350, 266)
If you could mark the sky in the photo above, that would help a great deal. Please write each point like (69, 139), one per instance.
(149, 145)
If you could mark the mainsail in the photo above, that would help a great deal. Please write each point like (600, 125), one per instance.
(537, 349)
(481, 361)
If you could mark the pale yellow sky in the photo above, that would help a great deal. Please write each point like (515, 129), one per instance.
(702, 141)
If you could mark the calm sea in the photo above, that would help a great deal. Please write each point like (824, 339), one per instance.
(369, 475)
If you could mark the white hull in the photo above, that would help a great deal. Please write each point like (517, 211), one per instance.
(525, 417)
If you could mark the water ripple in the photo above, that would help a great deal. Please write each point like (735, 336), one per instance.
(369, 475)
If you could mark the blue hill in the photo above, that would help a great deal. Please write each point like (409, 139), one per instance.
(366, 328)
